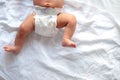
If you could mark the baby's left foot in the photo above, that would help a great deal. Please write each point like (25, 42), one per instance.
(68, 43)
(13, 49)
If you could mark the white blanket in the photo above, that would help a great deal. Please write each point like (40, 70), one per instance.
(97, 56)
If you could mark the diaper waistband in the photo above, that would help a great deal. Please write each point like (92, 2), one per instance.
(38, 10)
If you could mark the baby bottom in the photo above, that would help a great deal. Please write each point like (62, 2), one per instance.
(45, 25)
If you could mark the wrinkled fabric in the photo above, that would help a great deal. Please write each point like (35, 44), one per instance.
(97, 56)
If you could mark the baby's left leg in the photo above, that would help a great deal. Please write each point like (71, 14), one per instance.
(69, 22)
(24, 30)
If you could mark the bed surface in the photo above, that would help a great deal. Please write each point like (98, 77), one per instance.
(97, 56)
(111, 6)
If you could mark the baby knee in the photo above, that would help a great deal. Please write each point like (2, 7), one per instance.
(72, 19)
(23, 31)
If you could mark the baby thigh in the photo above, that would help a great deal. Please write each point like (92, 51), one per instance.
(66, 20)
(27, 26)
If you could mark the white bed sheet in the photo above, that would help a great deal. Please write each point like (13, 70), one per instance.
(111, 6)
(97, 56)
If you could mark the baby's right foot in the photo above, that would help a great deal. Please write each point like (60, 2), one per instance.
(13, 49)
(68, 43)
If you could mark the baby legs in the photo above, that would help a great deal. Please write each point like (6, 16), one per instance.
(24, 30)
(63, 20)
(69, 22)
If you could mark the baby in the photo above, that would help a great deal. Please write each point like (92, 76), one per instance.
(45, 21)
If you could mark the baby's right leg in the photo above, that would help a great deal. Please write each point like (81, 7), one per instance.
(24, 30)
(69, 22)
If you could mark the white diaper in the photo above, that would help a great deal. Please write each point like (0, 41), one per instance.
(46, 21)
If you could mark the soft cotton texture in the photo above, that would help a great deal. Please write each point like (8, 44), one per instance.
(97, 56)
